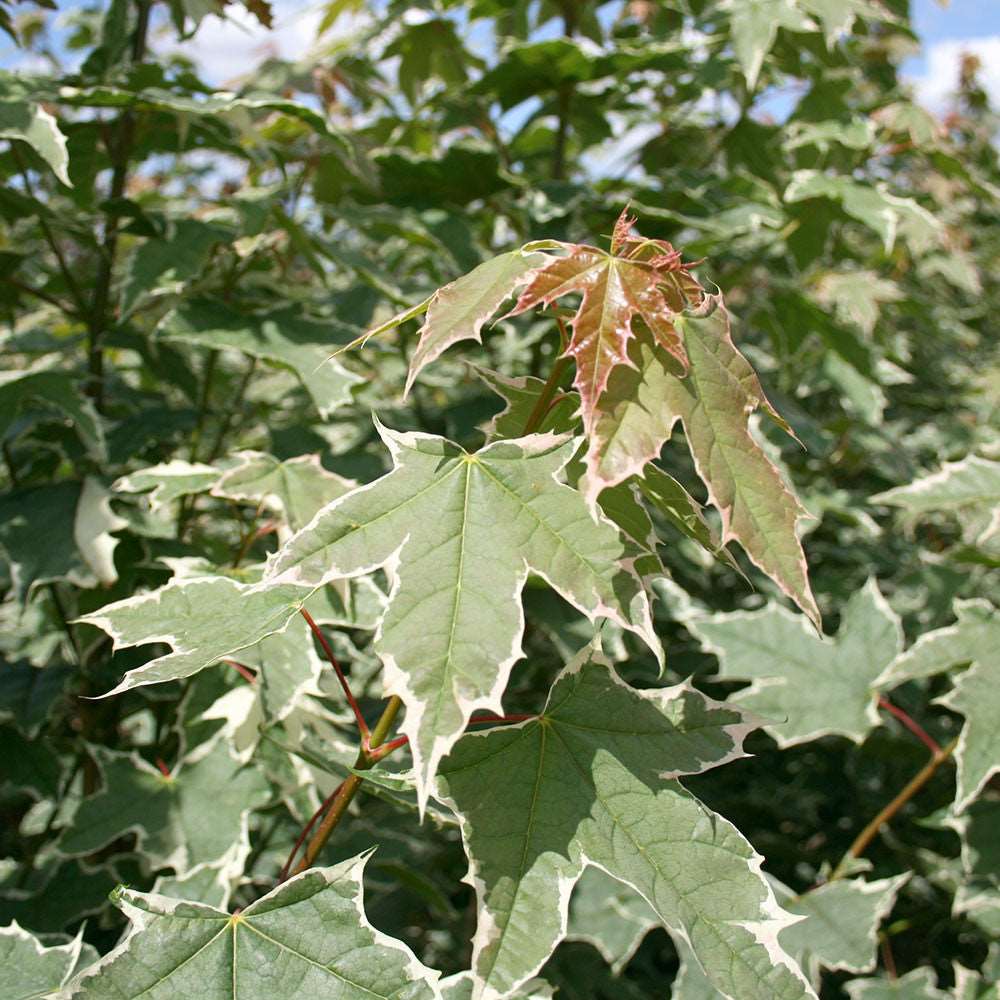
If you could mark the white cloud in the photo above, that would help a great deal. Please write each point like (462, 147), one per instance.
(939, 81)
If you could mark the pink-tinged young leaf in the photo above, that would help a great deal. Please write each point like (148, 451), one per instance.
(615, 290)
(623, 227)
(714, 402)
(633, 420)
(459, 310)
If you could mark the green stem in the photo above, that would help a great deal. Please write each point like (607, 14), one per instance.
(8, 457)
(64, 619)
(38, 293)
(346, 792)
(564, 99)
(74, 288)
(548, 393)
(886, 814)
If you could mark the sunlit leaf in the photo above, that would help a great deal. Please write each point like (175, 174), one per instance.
(754, 26)
(203, 619)
(169, 481)
(458, 310)
(452, 631)
(32, 124)
(714, 403)
(615, 291)
(972, 639)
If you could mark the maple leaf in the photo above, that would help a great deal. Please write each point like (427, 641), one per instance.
(196, 815)
(296, 488)
(840, 931)
(713, 401)
(650, 349)
(968, 490)
(616, 288)
(169, 481)
(459, 309)
(813, 684)
(919, 984)
(203, 619)
(592, 780)
(609, 915)
(459, 533)
(307, 937)
(30, 970)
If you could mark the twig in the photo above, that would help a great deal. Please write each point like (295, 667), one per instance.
(39, 294)
(885, 815)
(244, 671)
(206, 388)
(306, 830)
(564, 98)
(8, 457)
(65, 620)
(74, 288)
(267, 528)
(887, 957)
(120, 155)
(548, 393)
(335, 663)
(231, 409)
(346, 792)
(479, 720)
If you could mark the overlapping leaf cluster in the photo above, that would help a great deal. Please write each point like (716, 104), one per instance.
(520, 496)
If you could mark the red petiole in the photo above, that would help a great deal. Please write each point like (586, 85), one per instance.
(351, 700)
(911, 724)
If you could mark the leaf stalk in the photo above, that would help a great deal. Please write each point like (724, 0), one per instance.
(335, 663)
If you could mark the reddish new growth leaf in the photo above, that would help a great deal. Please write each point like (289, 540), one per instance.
(636, 278)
